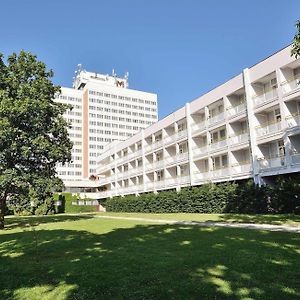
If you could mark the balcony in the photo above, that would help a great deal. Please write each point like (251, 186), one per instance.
(182, 156)
(148, 148)
(235, 110)
(157, 145)
(159, 184)
(171, 181)
(216, 145)
(170, 160)
(201, 176)
(268, 128)
(241, 167)
(181, 134)
(216, 119)
(268, 96)
(198, 127)
(291, 85)
(158, 164)
(220, 172)
(149, 186)
(239, 138)
(199, 151)
(271, 163)
(149, 166)
(185, 179)
(103, 194)
(295, 159)
(136, 170)
(293, 120)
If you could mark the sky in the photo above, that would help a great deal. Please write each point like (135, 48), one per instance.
(177, 49)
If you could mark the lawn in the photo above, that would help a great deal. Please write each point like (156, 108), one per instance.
(273, 219)
(80, 257)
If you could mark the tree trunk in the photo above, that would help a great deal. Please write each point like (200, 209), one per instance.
(2, 212)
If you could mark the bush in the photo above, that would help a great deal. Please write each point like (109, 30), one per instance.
(66, 206)
(230, 197)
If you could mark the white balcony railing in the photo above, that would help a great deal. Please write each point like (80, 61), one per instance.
(201, 150)
(182, 156)
(293, 120)
(292, 84)
(241, 167)
(181, 134)
(295, 159)
(270, 163)
(218, 118)
(158, 164)
(218, 144)
(170, 160)
(220, 172)
(239, 138)
(171, 181)
(185, 179)
(234, 110)
(157, 144)
(201, 175)
(268, 128)
(198, 126)
(267, 96)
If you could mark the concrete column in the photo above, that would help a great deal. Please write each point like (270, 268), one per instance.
(252, 133)
(283, 114)
(190, 144)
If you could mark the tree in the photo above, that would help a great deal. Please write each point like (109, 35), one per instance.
(33, 132)
(296, 42)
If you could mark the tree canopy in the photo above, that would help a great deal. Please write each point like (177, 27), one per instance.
(296, 42)
(33, 133)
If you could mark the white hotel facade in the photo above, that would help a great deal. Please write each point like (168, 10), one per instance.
(248, 127)
(104, 110)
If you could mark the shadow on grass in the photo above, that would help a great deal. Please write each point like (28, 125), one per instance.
(150, 262)
(12, 222)
(275, 219)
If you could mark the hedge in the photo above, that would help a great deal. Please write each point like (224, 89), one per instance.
(230, 197)
(66, 206)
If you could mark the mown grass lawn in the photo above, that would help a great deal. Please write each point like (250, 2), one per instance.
(273, 219)
(80, 257)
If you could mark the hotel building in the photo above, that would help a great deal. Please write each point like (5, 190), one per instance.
(104, 110)
(248, 127)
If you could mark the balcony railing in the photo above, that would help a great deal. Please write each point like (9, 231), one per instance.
(295, 159)
(292, 84)
(201, 150)
(264, 97)
(220, 172)
(241, 167)
(218, 144)
(181, 134)
(157, 144)
(215, 119)
(198, 126)
(268, 128)
(182, 156)
(272, 162)
(293, 120)
(158, 164)
(201, 175)
(239, 138)
(170, 160)
(234, 110)
(185, 179)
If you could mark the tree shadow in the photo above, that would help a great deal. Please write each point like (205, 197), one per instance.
(276, 219)
(150, 262)
(13, 222)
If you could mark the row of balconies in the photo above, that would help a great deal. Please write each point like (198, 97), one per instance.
(201, 176)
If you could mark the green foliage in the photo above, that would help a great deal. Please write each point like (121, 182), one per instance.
(230, 197)
(66, 206)
(296, 42)
(33, 132)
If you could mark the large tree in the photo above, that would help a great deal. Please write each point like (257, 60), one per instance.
(296, 42)
(33, 132)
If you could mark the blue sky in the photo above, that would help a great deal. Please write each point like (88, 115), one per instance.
(177, 49)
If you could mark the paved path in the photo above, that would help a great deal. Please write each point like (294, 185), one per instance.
(284, 228)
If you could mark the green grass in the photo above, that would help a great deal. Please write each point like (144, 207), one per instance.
(292, 220)
(80, 257)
